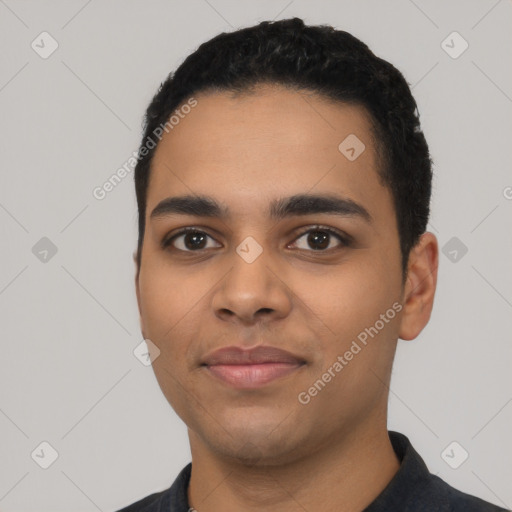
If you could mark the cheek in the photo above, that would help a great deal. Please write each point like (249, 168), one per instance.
(358, 348)
(352, 306)
(164, 303)
(164, 308)
(350, 296)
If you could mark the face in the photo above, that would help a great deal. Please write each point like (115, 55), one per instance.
(310, 277)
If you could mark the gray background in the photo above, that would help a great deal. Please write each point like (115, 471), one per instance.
(68, 374)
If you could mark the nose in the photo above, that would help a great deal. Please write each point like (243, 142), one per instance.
(252, 291)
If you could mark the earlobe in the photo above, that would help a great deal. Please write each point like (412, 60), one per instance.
(420, 286)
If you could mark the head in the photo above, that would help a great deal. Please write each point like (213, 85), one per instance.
(278, 129)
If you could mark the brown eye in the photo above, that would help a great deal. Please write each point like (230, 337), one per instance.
(189, 240)
(320, 239)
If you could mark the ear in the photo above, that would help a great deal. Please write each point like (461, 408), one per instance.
(137, 291)
(420, 287)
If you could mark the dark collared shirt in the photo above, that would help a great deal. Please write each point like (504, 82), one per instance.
(412, 489)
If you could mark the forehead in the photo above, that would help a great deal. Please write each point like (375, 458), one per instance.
(249, 148)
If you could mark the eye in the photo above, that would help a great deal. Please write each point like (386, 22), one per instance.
(189, 240)
(319, 238)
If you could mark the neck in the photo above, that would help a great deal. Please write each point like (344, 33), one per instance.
(344, 476)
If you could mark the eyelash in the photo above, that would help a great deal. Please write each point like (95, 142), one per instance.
(346, 241)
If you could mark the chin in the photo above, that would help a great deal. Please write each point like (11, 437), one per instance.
(257, 447)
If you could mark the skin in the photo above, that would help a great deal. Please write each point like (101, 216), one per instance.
(262, 449)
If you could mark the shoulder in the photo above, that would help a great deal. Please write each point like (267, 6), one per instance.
(172, 498)
(439, 495)
(150, 503)
(415, 489)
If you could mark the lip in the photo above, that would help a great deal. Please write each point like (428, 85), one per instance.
(261, 354)
(251, 368)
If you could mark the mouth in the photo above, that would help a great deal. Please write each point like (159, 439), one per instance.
(252, 368)
(251, 376)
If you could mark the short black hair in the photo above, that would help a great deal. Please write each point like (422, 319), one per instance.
(332, 63)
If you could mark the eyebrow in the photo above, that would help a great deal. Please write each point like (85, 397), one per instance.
(296, 205)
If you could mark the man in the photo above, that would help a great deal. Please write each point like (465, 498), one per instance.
(283, 187)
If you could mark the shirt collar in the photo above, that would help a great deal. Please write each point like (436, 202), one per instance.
(412, 475)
